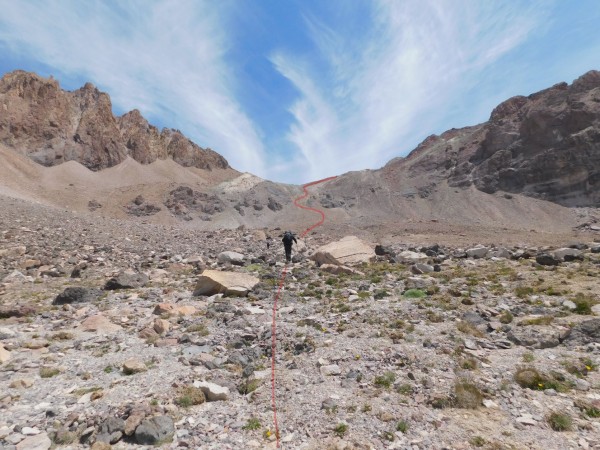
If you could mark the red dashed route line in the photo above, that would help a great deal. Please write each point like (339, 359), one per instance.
(281, 283)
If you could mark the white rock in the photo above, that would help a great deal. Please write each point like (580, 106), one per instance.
(490, 404)
(330, 370)
(29, 431)
(212, 391)
(569, 304)
(526, 420)
(6, 333)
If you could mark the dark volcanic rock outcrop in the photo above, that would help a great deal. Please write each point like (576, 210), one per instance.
(546, 145)
(52, 126)
(184, 201)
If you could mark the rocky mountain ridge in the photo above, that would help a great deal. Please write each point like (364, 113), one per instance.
(545, 145)
(52, 126)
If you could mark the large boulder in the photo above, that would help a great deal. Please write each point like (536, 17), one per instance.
(213, 282)
(347, 251)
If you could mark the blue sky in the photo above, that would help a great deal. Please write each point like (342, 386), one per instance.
(298, 90)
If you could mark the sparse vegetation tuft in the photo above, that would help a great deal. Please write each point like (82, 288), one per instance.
(190, 396)
(386, 380)
(414, 293)
(466, 394)
(48, 372)
(340, 429)
(559, 421)
(252, 424)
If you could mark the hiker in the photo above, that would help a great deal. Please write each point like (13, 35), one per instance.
(288, 238)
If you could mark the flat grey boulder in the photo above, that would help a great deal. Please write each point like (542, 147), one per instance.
(538, 336)
(568, 254)
(546, 259)
(584, 333)
(477, 252)
(77, 295)
(234, 284)
(154, 431)
(127, 280)
(347, 251)
(234, 258)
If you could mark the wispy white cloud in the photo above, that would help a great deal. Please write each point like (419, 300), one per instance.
(166, 58)
(367, 96)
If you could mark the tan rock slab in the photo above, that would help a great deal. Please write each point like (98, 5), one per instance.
(213, 282)
(4, 354)
(336, 270)
(161, 326)
(347, 251)
(170, 308)
(38, 442)
(21, 383)
(13, 251)
(134, 365)
(100, 324)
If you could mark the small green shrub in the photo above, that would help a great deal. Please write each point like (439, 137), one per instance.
(592, 412)
(505, 317)
(477, 441)
(248, 386)
(62, 336)
(523, 291)
(402, 426)
(64, 437)
(340, 429)
(414, 293)
(404, 389)
(252, 424)
(559, 421)
(468, 363)
(583, 304)
(48, 372)
(386, 380)
(542, 320)
(528, 357)
(198, 328)
(468, 328)
(531, 378)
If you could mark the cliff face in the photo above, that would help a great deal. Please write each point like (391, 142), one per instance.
(52, 126)
(546, 145)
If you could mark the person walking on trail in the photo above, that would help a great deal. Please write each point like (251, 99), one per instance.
(288, 239)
